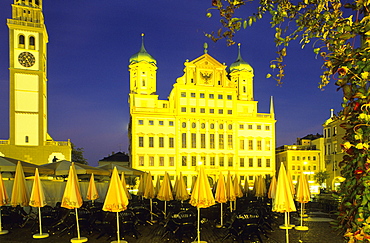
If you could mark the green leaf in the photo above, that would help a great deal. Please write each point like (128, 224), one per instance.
(268, 75)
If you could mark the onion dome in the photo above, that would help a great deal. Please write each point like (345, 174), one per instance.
(142, 55)
(240, 64)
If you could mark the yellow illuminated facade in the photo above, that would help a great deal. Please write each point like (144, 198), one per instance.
(28, 136)
(210, 117)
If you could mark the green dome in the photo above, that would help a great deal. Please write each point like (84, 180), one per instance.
(240, 64)
(142, 55)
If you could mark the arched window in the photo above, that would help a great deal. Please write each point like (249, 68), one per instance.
(21, 41)
(244, 90)
(32, 42)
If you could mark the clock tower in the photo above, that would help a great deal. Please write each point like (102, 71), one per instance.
(28, 116)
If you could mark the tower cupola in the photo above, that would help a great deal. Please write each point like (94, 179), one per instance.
(142, 55)
(240, 64)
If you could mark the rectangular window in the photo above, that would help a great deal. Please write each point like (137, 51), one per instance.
(211, 111)
(183, 140)
(201, 95)
(309, 167)
(161, 161)
(211, 96)
(268, 145)
(314, 167)
(141, 142)
(267, 128)
(298, 167)
(241, 142)
(304, 167)
(172, 161)
(193, 160)
(171, 142)
(161, 123)
(230, 141)
(192, 95)
(203, 140)
(192, 110)
(241, 162)
(298, 158)
(221, 161)
(314, 157)
(259, 162)
(202, 110)
(259, 145)
(293, 167)
(258, 127)
(229, 97)
(241, 126)
(151, 142)
(151, 122)
(229, 112)
(230, 162)
(250, 127)
(251, 178)
(193, 140)
(183, 109)
(211, 141)
(161, 142)
(141, 122)
(170, 123)
(250, 144)
(183, 161)
(221, 141)
(220, 97)
(268, 163)
(141, 160)
(212, 161)
(183, 94)
(203, 160)
(151, 161)
(250, 162)
(220, 111)
(293, 158)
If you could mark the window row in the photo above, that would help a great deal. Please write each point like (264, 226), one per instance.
(221, 161)
(203, 95)
(298, 158)
(212, 141)
(304, 167)
(210, 111)
(203, 125)
(22, 42)
(309, 177)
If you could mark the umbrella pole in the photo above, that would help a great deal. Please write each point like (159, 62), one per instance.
(165, 209)
(198, 230)
(77, 224)
(231, 206)
(286, 230)
(222, 220)
(301, 214)
(151, 209)
(235, 205)
(40, 220)
(118, 234)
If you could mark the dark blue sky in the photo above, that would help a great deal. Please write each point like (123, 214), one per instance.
(90, 43)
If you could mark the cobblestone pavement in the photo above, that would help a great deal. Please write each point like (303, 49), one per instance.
(318, 223)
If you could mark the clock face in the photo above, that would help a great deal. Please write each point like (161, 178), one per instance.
(26, 59)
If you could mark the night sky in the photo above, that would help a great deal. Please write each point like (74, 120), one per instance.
(90, 43)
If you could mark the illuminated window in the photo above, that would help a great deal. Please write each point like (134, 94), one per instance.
(161, 142)
(211, 96)
(183, 94)
(203, 140)
(172, 161)
(141, 142)
(211, 141)
(171, 142)
(141, 122)
(151, 161)
(268, 145)
(250, 144)
(230, 141)
(141, 160)
(212, 161)
(229, 97)
(250, 162)
(259, 162)
(183, 124)
(259, 145)
(221, 141)
(221, 161)
(268, 163)
(193, 160)
(194, 140)
(241, 162)
(203, 160)
(241, 142)
(183, 161)
(230, 162)
(211, 111)
(151, 142)
(183, 140)
(161, 161)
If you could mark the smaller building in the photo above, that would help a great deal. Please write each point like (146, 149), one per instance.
(120, 158)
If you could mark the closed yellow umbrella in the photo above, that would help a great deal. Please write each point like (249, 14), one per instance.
(237, 189)
(116, 199)
(124, 185)
(284, 200)
(201, 196)
(157, 186)
(220, 195)
(230, 191)
(149, 192)
(303, 196)
(37, 199)
(20, 194)
(165, 192)
(72, 198)
(141, 188)
(181, 192)
(272, 189)
(92, 192)
(290, 182)
(4, 199)
(246, 186)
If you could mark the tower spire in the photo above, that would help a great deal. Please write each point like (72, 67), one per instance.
(272, 109)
